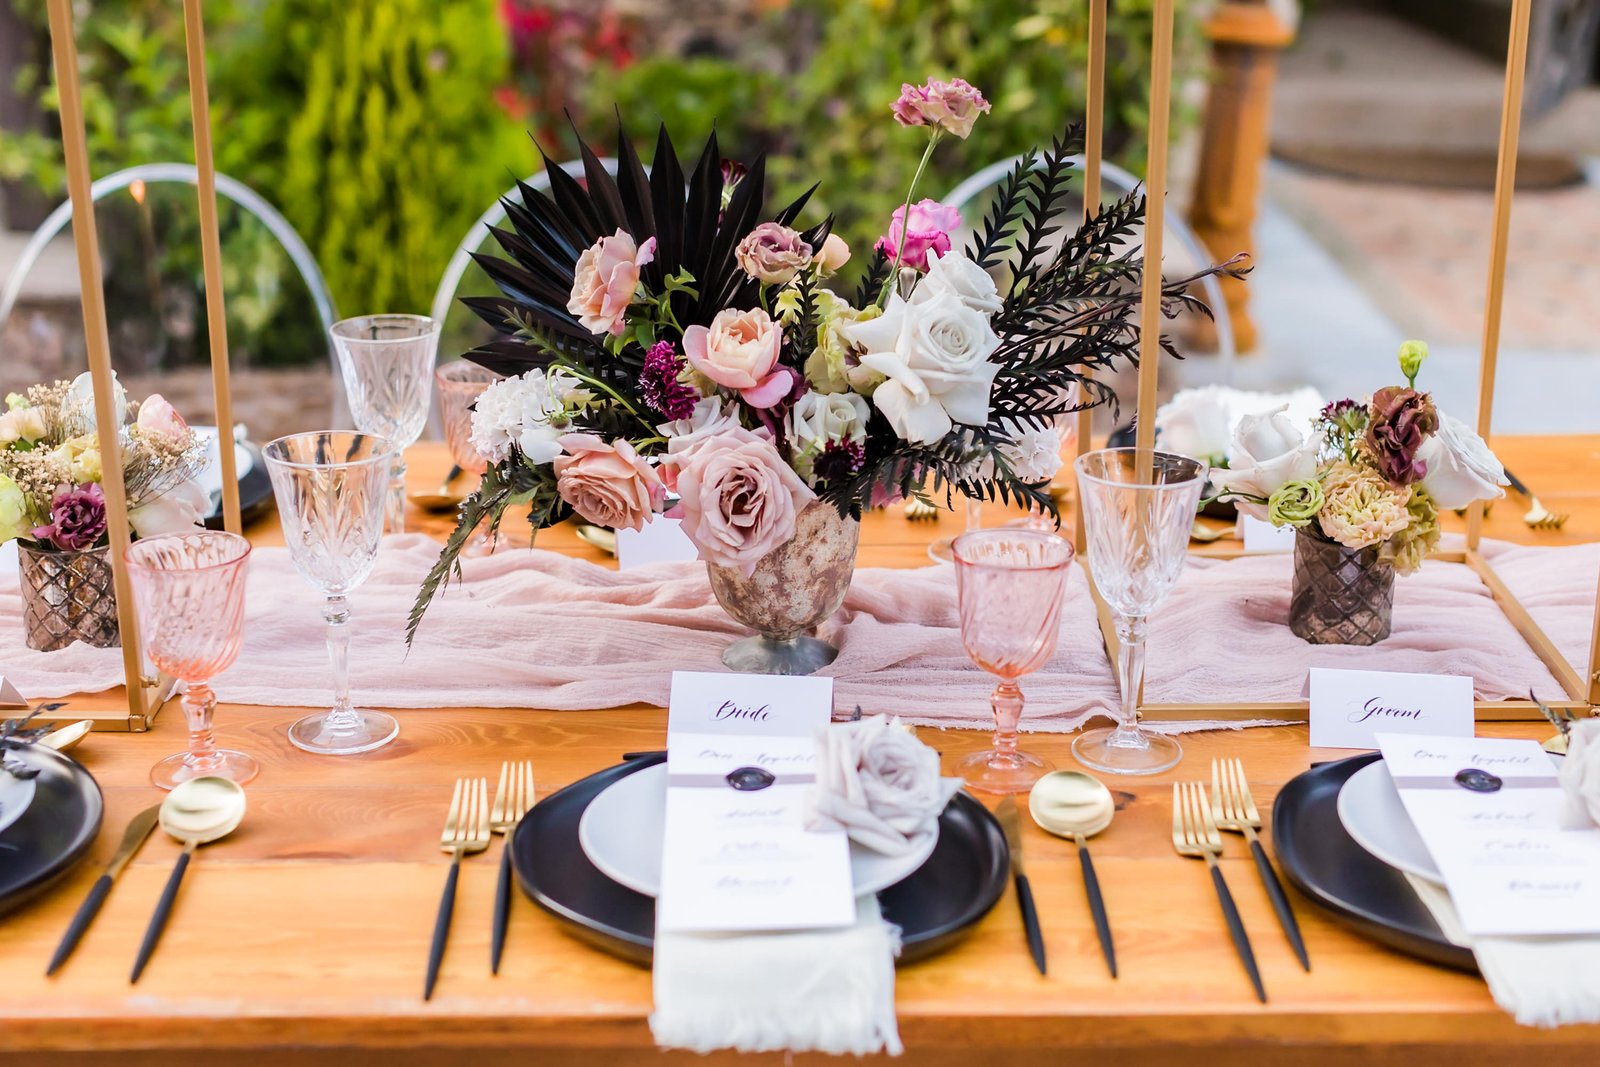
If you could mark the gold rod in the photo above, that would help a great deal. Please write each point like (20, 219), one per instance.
(1154, 219)
(211, 256)
(1505, 187)
(1093, 145)
(97, 339)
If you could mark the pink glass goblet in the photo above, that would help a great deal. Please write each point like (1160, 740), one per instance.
(188, 592)
(1010, 583)
(459, 385)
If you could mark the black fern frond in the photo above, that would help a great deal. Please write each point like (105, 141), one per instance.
(872, 282)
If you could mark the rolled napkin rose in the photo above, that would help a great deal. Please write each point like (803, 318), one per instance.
(1269, 452)
(1458, 466)
(608, 483)
(739, 350)
(737, 497)
(604, 280)
(1196, 423)
(879, 784)
(1580, 777)
(772, 253)
(928, 230)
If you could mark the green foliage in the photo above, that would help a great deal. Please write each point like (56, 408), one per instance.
(373, 123)
(828, 120)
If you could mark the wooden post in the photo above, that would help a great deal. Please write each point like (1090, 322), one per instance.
(97, 341)
(211, 257)
(1245, 37)
(1093, 146)
(1154, 220)
(1505, 187)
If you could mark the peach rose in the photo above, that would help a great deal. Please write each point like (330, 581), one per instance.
(608, 484)
(605, 279)
(157, 418)
(740, 351)
(834, 253)
(738, 499)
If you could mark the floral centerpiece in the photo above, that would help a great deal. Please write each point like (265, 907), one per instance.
(670, 346)
(1363, 490)
(52, 503)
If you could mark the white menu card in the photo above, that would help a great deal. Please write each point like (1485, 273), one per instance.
(662, 540)
(742, 860)
(1509, 867)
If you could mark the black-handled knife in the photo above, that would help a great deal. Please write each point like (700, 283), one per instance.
(158, 921)
(1241, 940)
(137, 833)
(502, 909)
(1011, 823)
(1280, 902)
(441, 927)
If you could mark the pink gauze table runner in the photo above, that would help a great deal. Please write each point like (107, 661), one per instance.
(541, 630)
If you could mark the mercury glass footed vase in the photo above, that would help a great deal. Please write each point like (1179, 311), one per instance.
(1342, 596)
(794, 588)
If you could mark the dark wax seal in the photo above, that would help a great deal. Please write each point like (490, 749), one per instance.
(749, 779)
(1478, 781)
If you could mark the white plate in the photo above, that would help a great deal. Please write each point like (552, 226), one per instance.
(15, 796)
(621, 832)
(1374, 815)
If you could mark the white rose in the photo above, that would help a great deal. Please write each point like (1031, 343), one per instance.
(878, 783)
(1195, 423)
(935, 356)
(953, 273)
(1268, 451)
(1460, 468)
(77, 407)
(1034, 455)
(818, 418)
(178, 510)
(22, 424)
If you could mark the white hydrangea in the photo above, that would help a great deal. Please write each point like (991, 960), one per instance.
(1034, 454)
(524, 411)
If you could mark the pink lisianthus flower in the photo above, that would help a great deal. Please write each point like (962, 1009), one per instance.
(739, 350)
(928, 231)
(604, 281)
(739, 500)
(952, 105)
(158, 418)
(607, 483)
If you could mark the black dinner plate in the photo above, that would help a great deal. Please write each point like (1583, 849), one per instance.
(934, 907)
(54, 833)
(255, 491)
(1325, 863)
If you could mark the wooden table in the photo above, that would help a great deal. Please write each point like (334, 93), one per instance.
(303, 937)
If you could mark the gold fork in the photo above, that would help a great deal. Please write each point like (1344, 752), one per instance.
(512, 799)
(920, 510)
(1233, 808)
(1537, 517)
(1196, 836)
(466, 830)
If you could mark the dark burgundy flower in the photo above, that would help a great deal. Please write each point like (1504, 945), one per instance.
(77, 518)
(1401, 420)
(658, 381)
(839, 460)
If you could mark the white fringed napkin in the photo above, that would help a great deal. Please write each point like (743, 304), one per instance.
(1540, 981)
(807, 991)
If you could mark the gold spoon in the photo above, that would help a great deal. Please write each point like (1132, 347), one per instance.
(68, 736)
(1072, 804)
(196, 812)
(598, 536)
(441, 499)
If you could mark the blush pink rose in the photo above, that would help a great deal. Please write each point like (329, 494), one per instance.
(739, 350)
(608, 484)
(605, 279)
(772, 253)
(928, 231)
(738, 499)
(157, 418)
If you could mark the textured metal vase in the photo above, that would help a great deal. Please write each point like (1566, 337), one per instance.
(795, 587)
(67, 597)
(1342, 596)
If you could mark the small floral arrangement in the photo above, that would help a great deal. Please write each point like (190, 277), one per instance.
(50, 467)
(1370, 473)
(671, 347)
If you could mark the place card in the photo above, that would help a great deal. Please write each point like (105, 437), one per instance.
(1261, 536)
(662, 540)
(9, 695)
(736, 856)
(1489, 811)
(1350, 708)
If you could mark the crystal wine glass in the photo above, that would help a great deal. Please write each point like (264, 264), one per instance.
(1010, 583)
(330, 491)
(1138, 507)
(188, 593)
(387, 363)
(460, 384)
